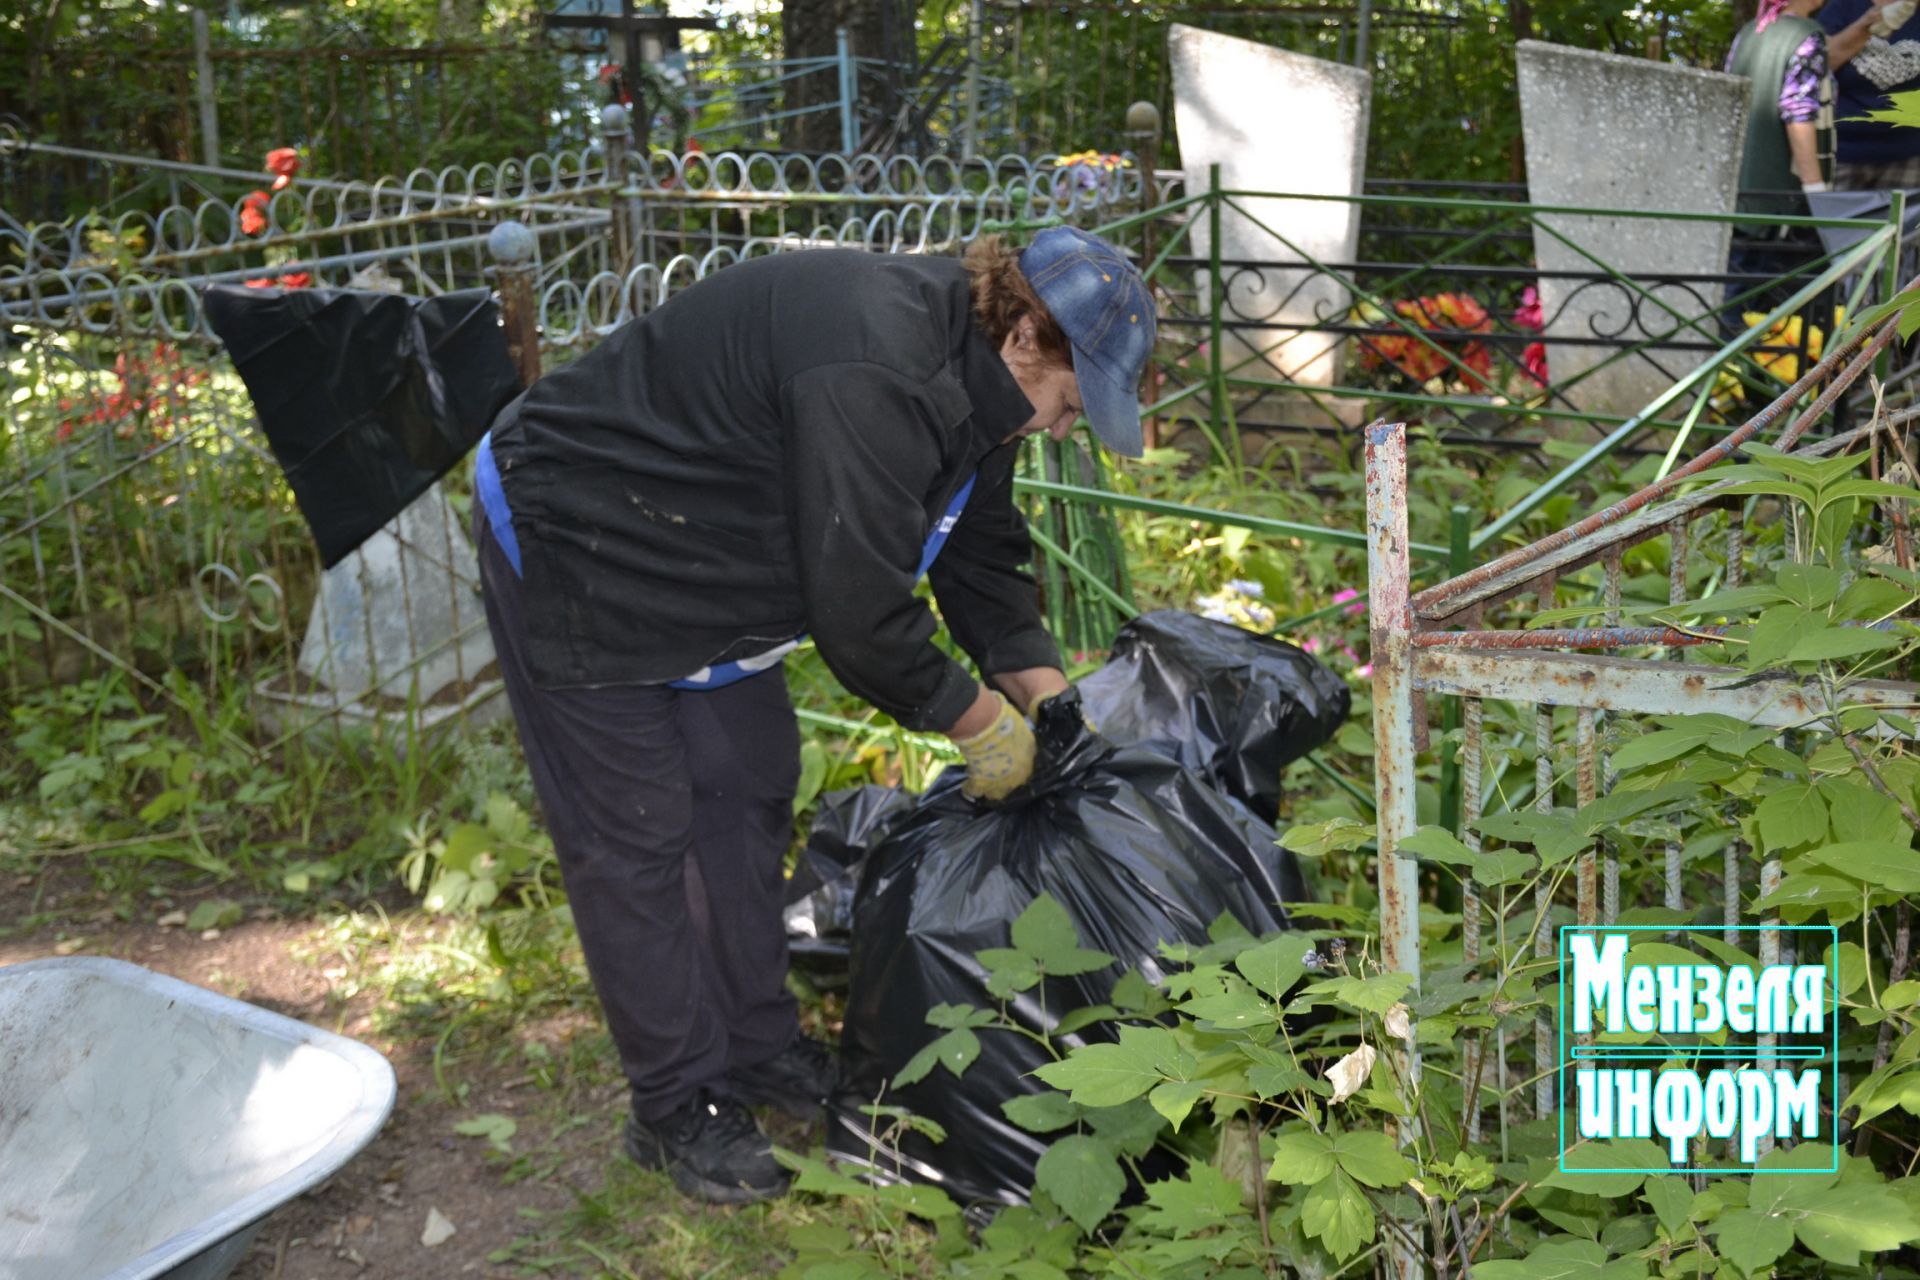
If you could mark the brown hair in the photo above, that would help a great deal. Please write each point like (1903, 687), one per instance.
(1002, 296)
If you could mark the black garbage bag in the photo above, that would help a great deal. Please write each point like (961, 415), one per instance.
(819, 899)
(1136, 848)
(366, 397)
(1235, 706)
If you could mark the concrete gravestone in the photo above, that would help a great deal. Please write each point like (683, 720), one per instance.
(1610, 132)
(405, 607)
(1274, 121)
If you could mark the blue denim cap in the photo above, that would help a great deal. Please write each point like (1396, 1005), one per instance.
(1102, 305)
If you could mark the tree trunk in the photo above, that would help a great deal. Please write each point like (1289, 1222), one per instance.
(807, 30)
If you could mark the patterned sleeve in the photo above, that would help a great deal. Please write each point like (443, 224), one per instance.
(1800, 89)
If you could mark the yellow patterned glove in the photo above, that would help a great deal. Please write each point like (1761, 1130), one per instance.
(1000, 757)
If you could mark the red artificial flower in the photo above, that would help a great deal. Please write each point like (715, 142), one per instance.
(1534, 360)
(253, 212)
(283, 163)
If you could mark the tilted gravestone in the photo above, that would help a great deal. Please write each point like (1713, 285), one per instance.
(1280, 122)
(1609, 132)
(401, 617)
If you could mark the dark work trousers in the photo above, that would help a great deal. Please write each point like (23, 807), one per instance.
(670, 812)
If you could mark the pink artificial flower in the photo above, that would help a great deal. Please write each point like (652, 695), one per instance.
(1530, 315)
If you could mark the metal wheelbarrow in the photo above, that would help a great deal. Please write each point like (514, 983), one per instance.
(148, 1127)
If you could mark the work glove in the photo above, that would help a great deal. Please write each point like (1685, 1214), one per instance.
(1892, 17)
(1000, 757)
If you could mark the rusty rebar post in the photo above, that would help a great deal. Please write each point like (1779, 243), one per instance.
(1610, 854)
(1543, 1033)
(1676, 594)
(1389, 568)
(512, 247)
(1390, 625)
(1473, 1058)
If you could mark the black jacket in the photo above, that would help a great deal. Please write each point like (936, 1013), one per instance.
(765, 454)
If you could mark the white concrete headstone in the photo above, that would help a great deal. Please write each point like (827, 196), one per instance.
(1609, 132)
(1274, 121)
(404, 607)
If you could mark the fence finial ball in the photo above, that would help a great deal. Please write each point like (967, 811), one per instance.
(510, 243)
(613, 118)
(1143, 117)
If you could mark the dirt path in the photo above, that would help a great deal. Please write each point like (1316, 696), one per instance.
(368, 1220)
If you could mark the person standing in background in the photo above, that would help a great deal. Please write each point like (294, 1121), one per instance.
(1873, 47)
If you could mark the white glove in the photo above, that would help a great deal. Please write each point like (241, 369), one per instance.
(1814, 188)
(1892, 17)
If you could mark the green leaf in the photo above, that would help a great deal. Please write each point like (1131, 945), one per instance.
(1792, 816)
(1316, 840)
(1338, 1215)
(1563, 1258)
(1301, 1158)
(1842, 1222)
(1870, 599)
(1882, 864)
(1729, 603)
(1901, 995)
(1271, 1080)
(1204, 1200)
(1045, 932)
(1371, 1158)
(1848, 970)
(1105, 1075)
(1752, 1241)
(1437, 844)
(1040, 1112)
(1079, 1019)
(496, 1129)
(1234, 1010)
(1671, 1200)
(1811, 586)
(1551, 834)
(813, 774)
(1372, 995)
(1808, 890)
(955, 1051)
(1861, 813)
(1777, 631)
(1175, 1099)
(1841, 642)
(1774, 488)
(1275, 965)
(1132, 1129)
(1637, 1156)
(949, 1016)
(1083, 1177)
(215, 913)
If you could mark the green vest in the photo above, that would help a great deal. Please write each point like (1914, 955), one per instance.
(1767, 165)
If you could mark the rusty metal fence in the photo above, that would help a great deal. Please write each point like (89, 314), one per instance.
(1562, 696)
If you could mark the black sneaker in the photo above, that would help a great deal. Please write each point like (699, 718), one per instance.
(798, 1080)
(713, 1149)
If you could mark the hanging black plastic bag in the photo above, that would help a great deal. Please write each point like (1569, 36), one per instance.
(1136, 848)
(366, 398)
(1235, 706)
(819, 910)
